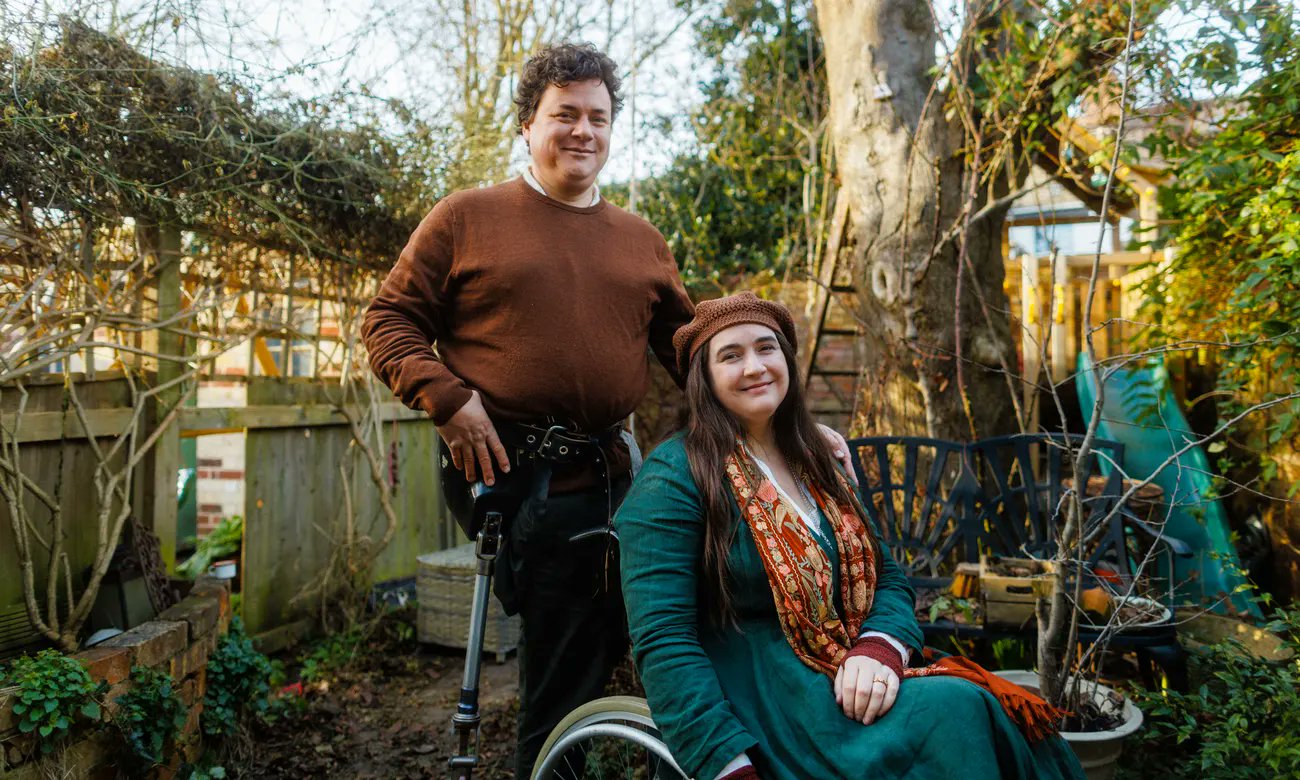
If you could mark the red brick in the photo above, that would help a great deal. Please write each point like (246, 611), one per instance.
(201, 684)
(111, 697)
(110, 664)
(199, 610)
(193, 658)
(229, 475)
(192, 721)
(210, 507)
(7, 718)
(19, 748)
(209, 462)
(153, 643)
(188, 692)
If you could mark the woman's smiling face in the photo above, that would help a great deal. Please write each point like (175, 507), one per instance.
(748, 372)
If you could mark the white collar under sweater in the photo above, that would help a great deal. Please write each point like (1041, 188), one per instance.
(532, 182)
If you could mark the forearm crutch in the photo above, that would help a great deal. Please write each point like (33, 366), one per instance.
(465, 722)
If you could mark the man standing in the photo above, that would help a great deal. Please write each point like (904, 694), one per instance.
(542, 299)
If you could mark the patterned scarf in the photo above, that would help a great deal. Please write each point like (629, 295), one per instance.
(799, 572)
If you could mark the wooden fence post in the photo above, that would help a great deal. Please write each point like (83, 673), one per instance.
(155, 483)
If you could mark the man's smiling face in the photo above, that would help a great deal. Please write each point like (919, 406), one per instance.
(568, 136)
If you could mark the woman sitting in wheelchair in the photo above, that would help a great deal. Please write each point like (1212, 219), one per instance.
(774, 635)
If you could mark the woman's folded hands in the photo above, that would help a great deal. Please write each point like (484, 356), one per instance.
(866, 684)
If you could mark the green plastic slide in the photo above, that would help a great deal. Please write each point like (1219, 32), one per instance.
(1140, 411)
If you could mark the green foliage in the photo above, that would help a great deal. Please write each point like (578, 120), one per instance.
(332, 652)
(1014, 653)
(53, 692)
(238, 682)
(223, 540)
(951, 605)
(150, 715)
(1234, 278)
(747, 197)
(1242, 723)
(203, 772)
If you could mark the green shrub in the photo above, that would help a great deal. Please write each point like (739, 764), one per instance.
(1242, 723)
(53, 692)
(223, 540)
(332, 653)
(149, 715)
(238, 681)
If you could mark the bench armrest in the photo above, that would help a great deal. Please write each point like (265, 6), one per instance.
(1176, 546)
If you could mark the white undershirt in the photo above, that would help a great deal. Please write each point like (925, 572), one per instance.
(535, 184)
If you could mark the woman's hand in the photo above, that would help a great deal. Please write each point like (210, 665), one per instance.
(865, 688)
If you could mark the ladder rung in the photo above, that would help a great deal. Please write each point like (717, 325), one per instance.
(841, 332)
(843, 288)
(833, 371)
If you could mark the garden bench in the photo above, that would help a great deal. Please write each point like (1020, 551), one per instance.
(940, 503)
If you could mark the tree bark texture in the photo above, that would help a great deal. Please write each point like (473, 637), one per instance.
(902, 168)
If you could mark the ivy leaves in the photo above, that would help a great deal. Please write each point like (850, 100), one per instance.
(54, 692)
(150, 715)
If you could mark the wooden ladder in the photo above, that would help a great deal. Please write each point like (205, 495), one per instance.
(831, 381)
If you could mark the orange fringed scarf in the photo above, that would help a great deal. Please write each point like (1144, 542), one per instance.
(800, 574)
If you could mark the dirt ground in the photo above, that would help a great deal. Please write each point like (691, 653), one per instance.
(388, 715)
(382, 708)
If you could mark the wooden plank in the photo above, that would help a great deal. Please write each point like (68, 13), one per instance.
(65, 470)
(154, 491)
(1057, 340)
(292, 523)
(1112, 259)
(232, 418)
(1031, 330)
(52, 426)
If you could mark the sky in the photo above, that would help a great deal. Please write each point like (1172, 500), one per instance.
(309, 48)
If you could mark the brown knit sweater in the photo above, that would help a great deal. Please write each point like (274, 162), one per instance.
(544, 308)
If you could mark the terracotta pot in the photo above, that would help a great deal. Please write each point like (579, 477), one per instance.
(1098, 751)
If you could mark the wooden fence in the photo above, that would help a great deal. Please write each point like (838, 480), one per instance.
(1048, 300)
(296, 496)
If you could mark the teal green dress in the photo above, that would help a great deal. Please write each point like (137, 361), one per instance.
(717, 692)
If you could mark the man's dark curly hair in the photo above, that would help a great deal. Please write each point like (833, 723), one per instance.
(561, 65)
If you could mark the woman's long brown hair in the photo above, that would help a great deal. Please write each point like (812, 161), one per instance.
(711, 435)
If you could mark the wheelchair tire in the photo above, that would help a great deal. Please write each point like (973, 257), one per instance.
(615, 728)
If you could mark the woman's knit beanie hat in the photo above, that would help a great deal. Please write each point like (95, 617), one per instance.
(721, 313)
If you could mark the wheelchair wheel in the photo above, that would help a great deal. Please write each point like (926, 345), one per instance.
(613, 737)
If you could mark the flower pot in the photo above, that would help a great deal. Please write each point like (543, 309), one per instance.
(223, 570)
(1157, 614)
(1098, 751)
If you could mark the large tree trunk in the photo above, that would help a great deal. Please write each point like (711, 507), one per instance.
(901, 169)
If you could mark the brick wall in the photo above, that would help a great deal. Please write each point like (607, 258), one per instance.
(178, 642)
(220, 486)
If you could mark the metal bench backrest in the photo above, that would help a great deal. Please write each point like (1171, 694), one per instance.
(1025, 482)
(920, 493)
(938, 503)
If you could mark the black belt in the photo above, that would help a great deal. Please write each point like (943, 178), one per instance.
(557, 443)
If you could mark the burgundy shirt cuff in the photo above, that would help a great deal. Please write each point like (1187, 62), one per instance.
(879, 650)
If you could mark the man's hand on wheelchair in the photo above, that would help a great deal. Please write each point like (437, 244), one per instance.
(472, 440)
(840, 449)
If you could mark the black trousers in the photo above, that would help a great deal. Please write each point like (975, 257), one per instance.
(567, 591)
